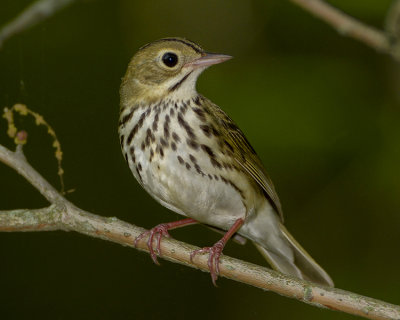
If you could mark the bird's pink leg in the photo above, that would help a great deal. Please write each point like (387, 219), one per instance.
(159, 231)
(216, 250)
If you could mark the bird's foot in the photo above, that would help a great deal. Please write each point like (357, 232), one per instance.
(157, 232)
(215, 253)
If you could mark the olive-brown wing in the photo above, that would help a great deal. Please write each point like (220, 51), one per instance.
(243, 152)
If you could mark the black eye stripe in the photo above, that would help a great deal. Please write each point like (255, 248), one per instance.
(192, 45)
(189, 43)
(170, 59)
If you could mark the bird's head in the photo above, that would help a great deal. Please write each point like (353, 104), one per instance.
(165, 68)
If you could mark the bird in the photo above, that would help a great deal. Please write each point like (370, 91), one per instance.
(191, 157)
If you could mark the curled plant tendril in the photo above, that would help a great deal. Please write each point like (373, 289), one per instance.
(20, 136)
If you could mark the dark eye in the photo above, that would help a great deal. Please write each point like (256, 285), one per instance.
(170, 59)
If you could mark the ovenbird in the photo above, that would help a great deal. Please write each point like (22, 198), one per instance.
(193, 159)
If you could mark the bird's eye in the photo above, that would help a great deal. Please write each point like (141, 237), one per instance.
(170, 59)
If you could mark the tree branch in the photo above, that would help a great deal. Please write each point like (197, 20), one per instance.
(349, 26)
(63, 215)
(17, 161)
(35, 13)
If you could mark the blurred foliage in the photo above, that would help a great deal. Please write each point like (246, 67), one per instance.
(321, 110)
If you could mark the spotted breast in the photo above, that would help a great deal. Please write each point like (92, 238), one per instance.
(172, 151)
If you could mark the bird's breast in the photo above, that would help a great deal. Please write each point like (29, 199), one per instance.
(172, 152)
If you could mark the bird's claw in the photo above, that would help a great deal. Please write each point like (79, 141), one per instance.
(215, 253)
(156, 232)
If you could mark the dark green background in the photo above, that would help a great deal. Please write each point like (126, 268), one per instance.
(321, 110)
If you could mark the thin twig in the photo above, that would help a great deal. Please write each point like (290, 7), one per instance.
(349, 26)
(17, 161)
(63, 215)
(35, 13)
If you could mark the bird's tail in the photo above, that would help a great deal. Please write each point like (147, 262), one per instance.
(299, 264)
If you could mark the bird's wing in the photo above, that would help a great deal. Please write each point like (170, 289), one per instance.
(243, 153)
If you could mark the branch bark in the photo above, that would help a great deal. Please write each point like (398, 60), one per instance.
(349, 26)
(63, 215)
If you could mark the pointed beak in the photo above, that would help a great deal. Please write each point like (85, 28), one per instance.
(207, 60)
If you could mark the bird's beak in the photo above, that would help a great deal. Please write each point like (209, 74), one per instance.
(207, 60)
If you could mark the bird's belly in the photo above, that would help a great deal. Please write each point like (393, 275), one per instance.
(186, 192)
